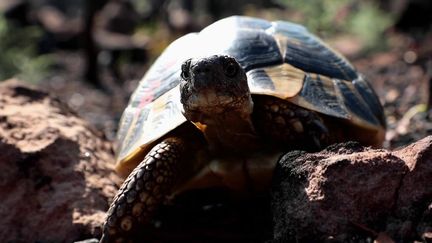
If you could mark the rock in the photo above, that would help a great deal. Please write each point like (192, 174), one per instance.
(351, 193)
(57, 172)
(415, 192)
(425, 225)
(416, 187)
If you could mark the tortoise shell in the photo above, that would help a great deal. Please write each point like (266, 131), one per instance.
(281, 59)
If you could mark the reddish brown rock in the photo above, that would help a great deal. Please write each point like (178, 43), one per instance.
(415, 192)
(56, 171)
(349, 193)
(416, 187)
(425, 226)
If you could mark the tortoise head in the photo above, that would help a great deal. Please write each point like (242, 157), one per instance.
(212, 86)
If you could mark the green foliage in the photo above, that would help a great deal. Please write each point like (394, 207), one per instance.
(317, 15)
(328, 17)
(369, 24)
(18, 57)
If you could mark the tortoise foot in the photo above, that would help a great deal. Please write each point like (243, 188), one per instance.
(142, 192)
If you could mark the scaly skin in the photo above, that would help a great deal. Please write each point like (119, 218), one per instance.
(143, 191)
(282, 123)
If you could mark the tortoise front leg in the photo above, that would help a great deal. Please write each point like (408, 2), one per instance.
(143, 191)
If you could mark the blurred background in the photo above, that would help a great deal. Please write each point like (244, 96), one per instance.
(92, 53)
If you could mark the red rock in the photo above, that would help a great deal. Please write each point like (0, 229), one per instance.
(349, 192)
(56, 175)
(416, 187)
(425, 226)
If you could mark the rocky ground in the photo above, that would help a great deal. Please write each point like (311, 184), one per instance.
(56, 170)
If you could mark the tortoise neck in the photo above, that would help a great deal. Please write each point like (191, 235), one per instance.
(231, 131)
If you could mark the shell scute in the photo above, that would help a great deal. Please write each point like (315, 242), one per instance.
(306, 51)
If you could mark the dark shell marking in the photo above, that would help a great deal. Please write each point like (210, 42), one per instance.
(372, 101)
(307, 52)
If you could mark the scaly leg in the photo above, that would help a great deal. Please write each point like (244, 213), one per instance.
(289, 126)
(143, 191)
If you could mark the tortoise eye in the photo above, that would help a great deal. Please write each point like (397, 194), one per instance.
(185, 70)
(231, 69)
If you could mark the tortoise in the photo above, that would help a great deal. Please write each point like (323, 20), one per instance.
(238, 94)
